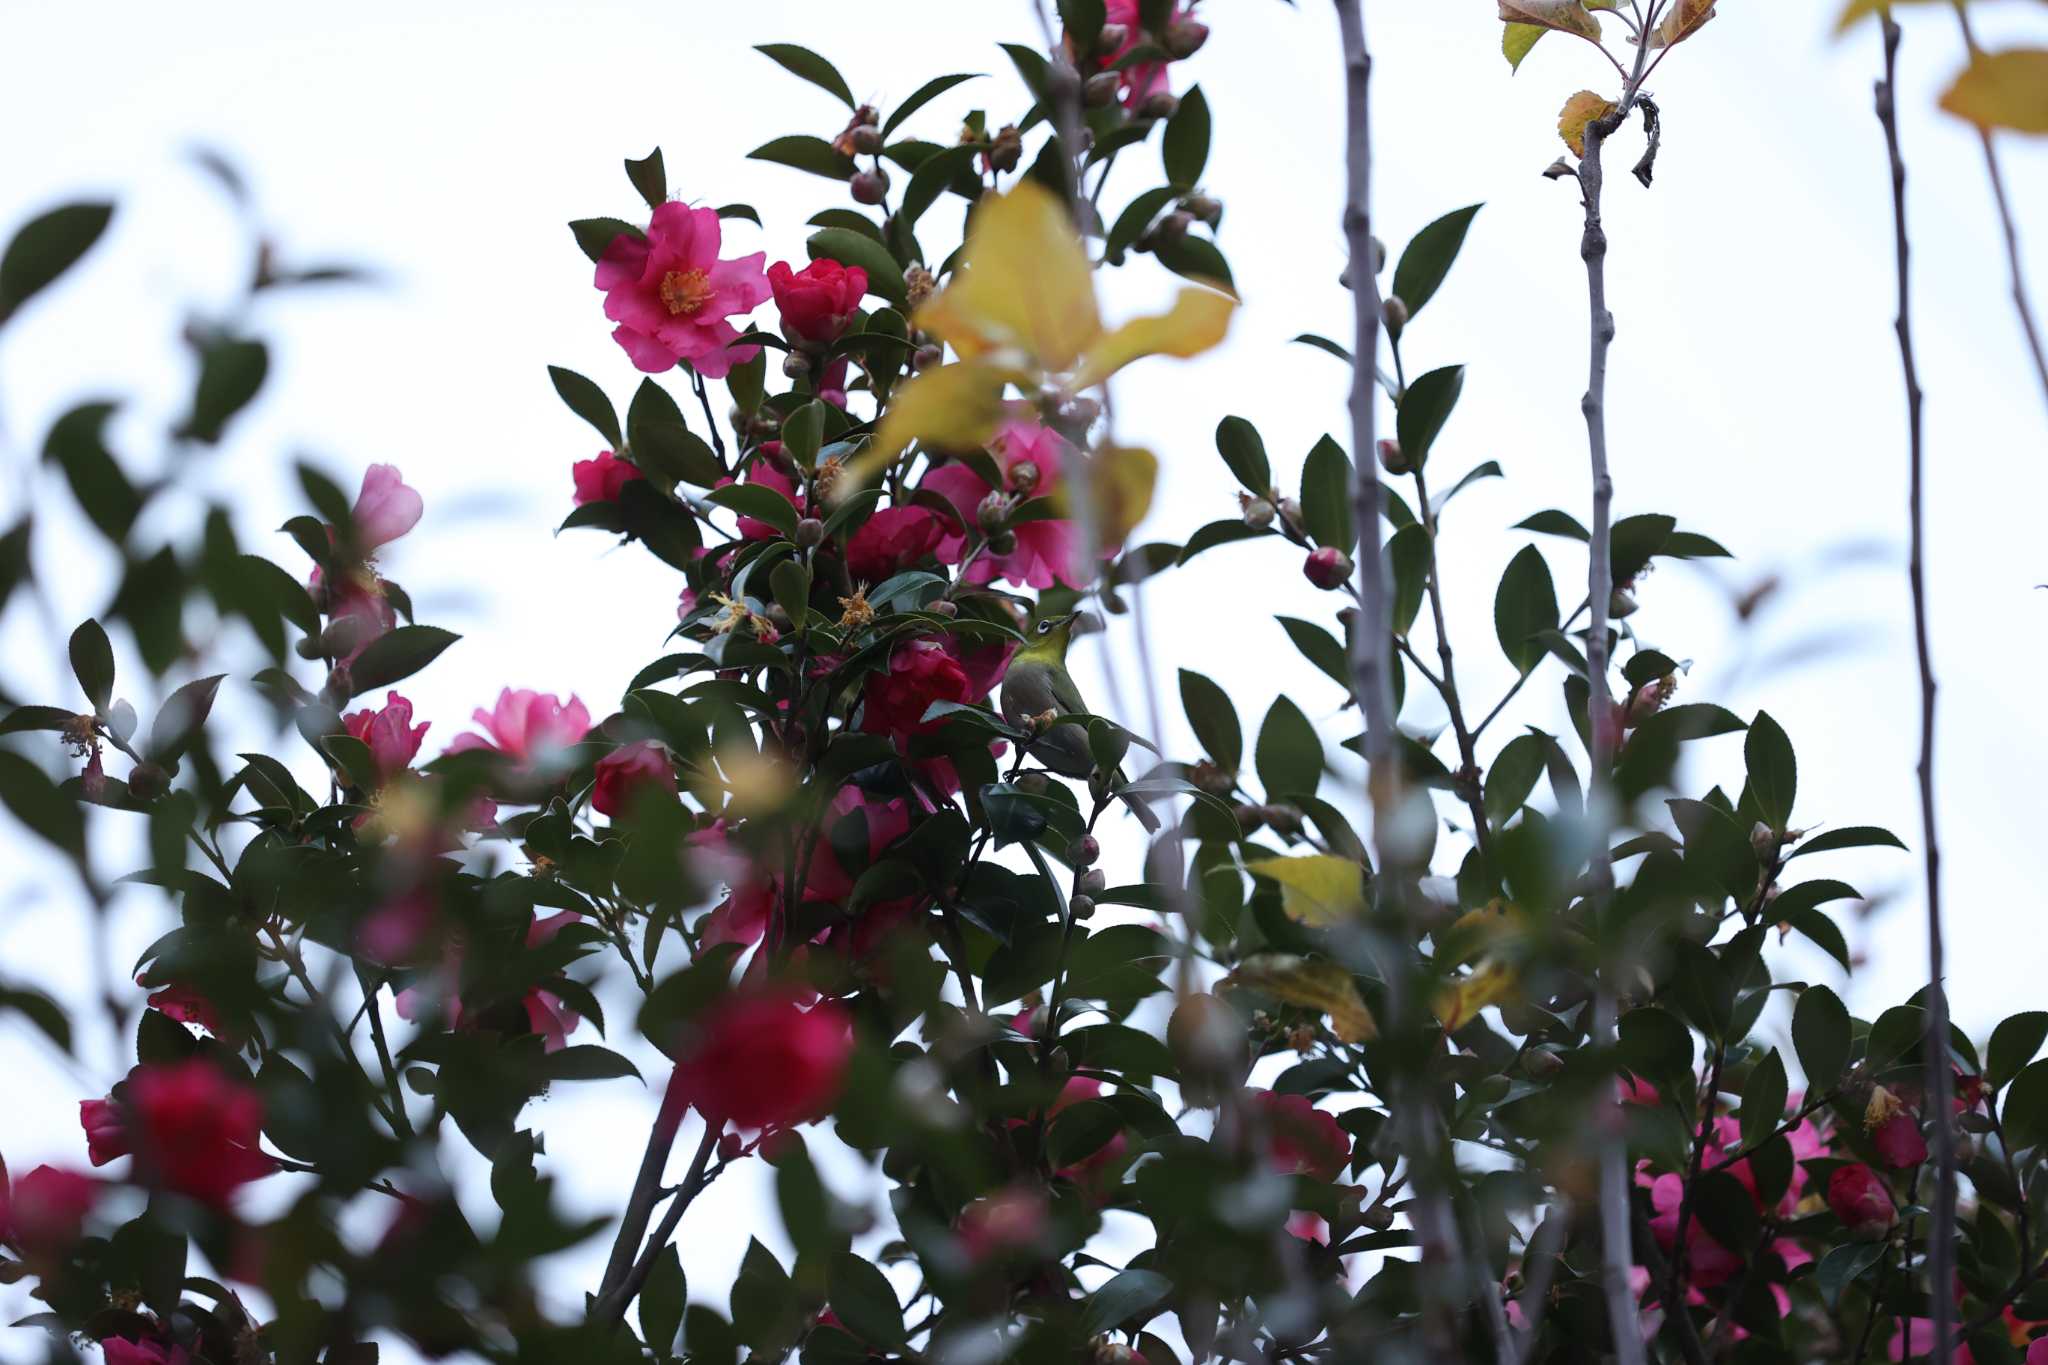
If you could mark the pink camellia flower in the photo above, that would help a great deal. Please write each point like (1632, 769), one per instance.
(128, 1351)
(546, 1014)
(1898, 1141)
(1009, 1220)
(2037, 1353)
(626, 771)
(190, 1127)
(891, 541)
(393, 739)
(1861, 1201)
(45, 1211)
(1032, 459)
(528, 726)
(1303, 1140)
(762, 1060)
(184, 1003)
(1710, 1264)
(1636, 1090)
(106, 1130)
(1915, 1337)
(671, 294)
(601, 479)
(1140, 80)
(818, 301)
(386, 507)
(395, 932)
(1308, 1227)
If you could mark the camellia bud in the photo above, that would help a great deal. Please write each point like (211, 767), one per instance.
(1003, 543)
(1007, 150)
(1258, 513)
(1541, 1065)
(946, 607)
(148, 781)
(1394, 312)
(1250, 818)
(730, 1145)
(1290, 513)
(927, 356)
(1032, 783)
(1284, 820)
(1184, 37)
(339, 687)
(1082, 907)
(870, 187)
(867, 114)
(1084, 851)
(1858, 1197)
(867, 141)
(1328, 568)
(1111, 37)
(1092, 881)
(341, 638)
(993, 511)
(1621, 604)
(1024, 477)
(309, 648)
(1173, 227)
(1392, 459)
(1062, 82)
(1204, 207)
(1100, 90)
(1763, 839)
(795, 365)
(1378, 1217)
(1163, 104)
(810, 533)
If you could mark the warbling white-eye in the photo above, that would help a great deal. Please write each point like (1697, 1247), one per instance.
(1036, 683)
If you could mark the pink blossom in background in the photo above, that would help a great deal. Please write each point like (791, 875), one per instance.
(1915, 1337)
(126, 1351)
(191, 1128)
(106, 1130)
(1636, 1090)
(671, 294)
(527, 726)
(1044, 553)
(2037, 1353)
(386, 507)
(1140, 80)
(1302, 1139)
(1899, 1142)
(601, 479)
(182, 1002)
(1005, 1221)
(45, 1211)
(393, 739)
(628, 769)
(763, 1060)
(395, 932)
(818, 302)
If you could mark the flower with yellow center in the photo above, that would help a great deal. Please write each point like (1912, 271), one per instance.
(685, 291)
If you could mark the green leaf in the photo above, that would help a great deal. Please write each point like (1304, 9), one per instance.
(1849, 836)
(932, 178)
(1844, 1265)
(594, 235)
(1136, 217)
(1320, 648)
(1081, 21)
(1289, 756)
(1123, 1298)
(1409, 557)
(650, 178)
(865, 1301)
(1196, 258)
(398, 654)
(35, 718)
(230, 373)
(2026, 1107)
(587, 1062)
(1213, 719)
(801, 61)
(588, 401)
(1425, 407)
(42, 1012)
(804, 153)
(758, 501)
(1773, 772)
(1823, 931)
(885, 276)
(1517, 39)
(1079, 1131)
(1238, 442)
(45, 247)
(2013, 1044)
(35, 801)
(1211, 534)
(1185, 145)
(77, 444)
(1513, 776)
(92, 663)
(1635, 540)
(1763, 1099)
(1524, 606)
(178, 723)
(661, 1302)
(923, 95)
(1323, 343)
(1326, 496)
(1820, 1032)
(1554, 523)
(1428, 259)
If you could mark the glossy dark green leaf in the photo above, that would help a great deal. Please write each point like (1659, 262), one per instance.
(398, 654)
(1524, 605)
(587, 1062)
(1849, 836)
(1323, 343)
(180, 719)
(2013, 1044)
(865, 1301)
(1213, 719)
(650, 178)
(885, 276)
(1554, 523)
(1212, 534)
(1844, 1265)
(1320, 648)
(1773, 771)
(1425, 407)
(1129, 1296)
(1516, 769)
(801, 61)
(1289, 754)
(77, 444)
(1428, 257)
(758, 501)
(1821, 1033)
(594, 235)
(1326, 496)
(933, 178)
(1238, 442)
(1408, 557)
(923, 95)
(231, 371)
(805, 153)
(587, 401)
(1634, 541)
(92, 663)
(2026, 1108)
(1196, 258)
(1136, 217)
(1081, 21)
(35, 801)
(661, 1301)
(1079, 1131)
(1185, 145)
(1763, 1099)
(45, 247)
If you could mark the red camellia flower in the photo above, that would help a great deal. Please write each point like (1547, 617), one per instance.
(627, 770)
(818, 301)
(920, 673)
(184, 1003)
(671, 294)
(891, 541)
(600, 480)
(393, 739)
(127, 1351)
(527, 726)
(45, 1210)
(1860, 1200)
(1899, 1142)
(1303, 1139)
(761, 1060)
(190, 1127)
(1008, 1220)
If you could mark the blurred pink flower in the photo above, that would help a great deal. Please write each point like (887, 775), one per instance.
(1044, 553)
(671, 294)
(126, 1351)
(386, 508)
(393, 739)
(625, 771)
(44, 1212)
(527, 726)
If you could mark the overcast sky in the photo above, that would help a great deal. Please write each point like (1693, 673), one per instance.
(1754, 389)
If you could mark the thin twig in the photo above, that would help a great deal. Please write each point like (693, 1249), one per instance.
(1653, 1261)
(1468, 755)
(612, 1306)
(646, 1193)
(1939, 1079)
(1674, 1286)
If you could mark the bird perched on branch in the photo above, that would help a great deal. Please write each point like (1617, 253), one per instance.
(1036, 687)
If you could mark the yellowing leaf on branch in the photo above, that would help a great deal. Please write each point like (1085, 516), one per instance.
(1122, 478)
(1863, 9)
(1319, 889)
(1460, 1000)
(1566, 16)
(2003, 90)
(1323, 986)
(1198, 320)
(1580, 110)
(956, 406)
(1682, 22)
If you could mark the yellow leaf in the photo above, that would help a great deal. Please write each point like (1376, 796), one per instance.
(1477, 930)
(1321, 986)
(1566, 16)
(1580, 110)
(1516, 40)
(1319, 889)
(1197, 321)
(1024, 282)
(955, 406)
(1682, 22)
(2003, 90)
(1463, 998)
(1863, 9)
(1123, 478)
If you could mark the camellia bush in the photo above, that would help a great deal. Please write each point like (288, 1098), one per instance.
(1381, 1044)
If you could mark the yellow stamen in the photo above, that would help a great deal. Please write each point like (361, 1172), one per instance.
(685, 291)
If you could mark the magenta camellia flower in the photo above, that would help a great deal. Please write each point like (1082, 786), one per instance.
(128, 1351)
(45, 1211)
(818, 302)
(1861, 1201)
(1898, 1140)
(184, 1003)
(106, 1130)
(1140, 80)
(1032, 459)
(393, 740)
(671, 294)
(1302, 1139)
(764, 1060)
(891, 541)
(1009, 1220)
(386, 507)
(191, 1128)
(527, 726)
(628, 770)
(602, 479)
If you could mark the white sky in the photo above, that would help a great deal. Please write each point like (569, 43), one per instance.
(1754, 388)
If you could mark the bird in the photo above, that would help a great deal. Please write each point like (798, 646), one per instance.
(1037, 682)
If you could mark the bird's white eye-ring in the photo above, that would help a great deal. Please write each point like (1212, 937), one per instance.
(1045, 627)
